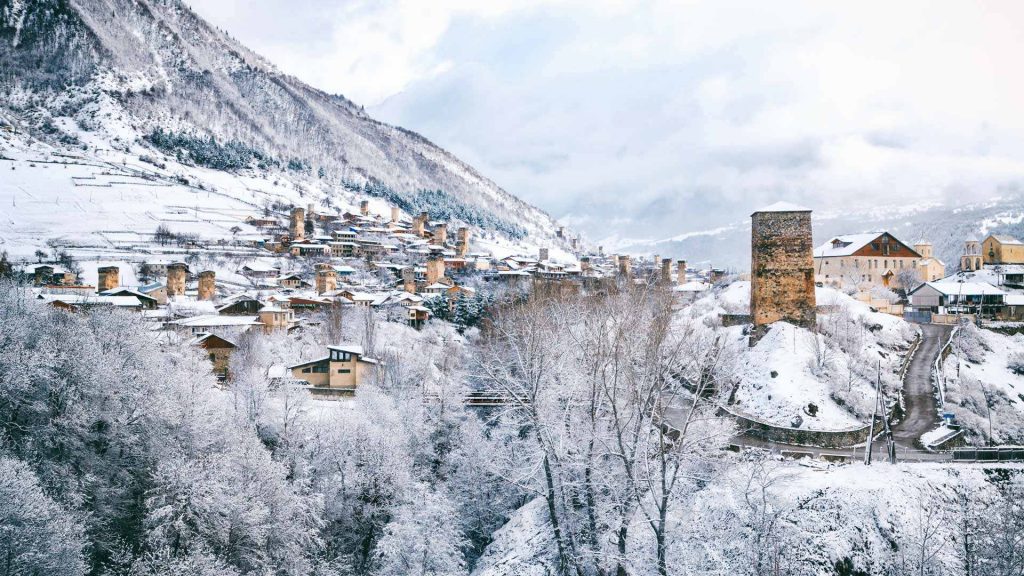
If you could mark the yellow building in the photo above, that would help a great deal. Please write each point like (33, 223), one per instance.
(1002, 249)
(344, 368)
(929, 268)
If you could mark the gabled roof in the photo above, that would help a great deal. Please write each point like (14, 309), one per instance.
(127, 292)
(1005, 239)
(205, 337)
(953, 288)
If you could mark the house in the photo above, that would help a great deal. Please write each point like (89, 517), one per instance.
(343, 369)
(50, 274)
(273, 318)
(1002, 249)
(293, 282)
(148, 302)
(259, 270)
(155, 290)
(874, 258)
(418, 315)
(218, 350)
(241, 305)
(344, 249)
(78, 301)
(226, 326)
(310, 250)
(953, 297)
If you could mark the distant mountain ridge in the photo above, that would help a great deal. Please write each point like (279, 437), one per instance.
(946, 227)
(120, 70)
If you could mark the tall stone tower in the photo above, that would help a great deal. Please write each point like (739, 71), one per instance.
(625, 267)
(435, 269)
(364, 208)
(409, 279)
(681, 272)
(176, 274)
(108, 278)
(440, 234)
(419, 224)
(395, 214)
(542, 254)
(297, 227)
(326, 278)
(462, 244)
(782, 266)
(666, 270)
(207, 284)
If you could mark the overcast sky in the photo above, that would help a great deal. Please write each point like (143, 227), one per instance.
(650, 119)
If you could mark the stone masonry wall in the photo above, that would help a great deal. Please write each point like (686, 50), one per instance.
(782, 269)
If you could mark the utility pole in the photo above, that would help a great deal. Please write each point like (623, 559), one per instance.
(871, 426)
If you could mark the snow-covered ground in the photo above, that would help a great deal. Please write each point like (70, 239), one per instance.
(822, 380)
(980, 384)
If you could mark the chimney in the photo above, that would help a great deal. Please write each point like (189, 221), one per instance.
(326, 278)
(176, 274)
(409, 279)
(440, 234)
(364, 208)
(543, 254)
(666, 270)
(108, 278)
(207, 284)
(297, 227)
(395, 214)
(625, 269)
(435, 269)
(681, 272)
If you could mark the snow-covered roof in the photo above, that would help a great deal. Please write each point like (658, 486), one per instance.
(210, 320)
(951, 288)
(1006, 239)
(348, 347)
(845, 245)
(783, 207)
(1014, 300)
(89, 299)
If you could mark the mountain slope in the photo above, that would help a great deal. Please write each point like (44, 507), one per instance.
(93, 73)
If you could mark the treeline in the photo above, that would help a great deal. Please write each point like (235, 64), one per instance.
(208, 152)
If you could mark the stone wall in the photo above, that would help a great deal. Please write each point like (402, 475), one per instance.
(782, 269)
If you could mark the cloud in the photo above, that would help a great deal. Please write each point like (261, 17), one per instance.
(659, 118)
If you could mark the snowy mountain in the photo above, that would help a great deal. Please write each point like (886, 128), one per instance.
(945, 226)
(152, 87)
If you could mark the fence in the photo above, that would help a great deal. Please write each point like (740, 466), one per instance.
(994, 454)
(918, 316)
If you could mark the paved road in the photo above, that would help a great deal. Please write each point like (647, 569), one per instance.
(921, 414)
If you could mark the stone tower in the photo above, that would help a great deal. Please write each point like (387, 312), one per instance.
(395, 214)
(409, 279)
(326, 278)
(543, 254)
(440, 234)
(681, 272)
(666, 270)
(435, 269)
(462, 245)
(419, 224)
(625, 267)
(176, 274)
(207, 284)
(782, 266)
(364, 208)
(107, 278)
(297, 226)
(971, 259)
(584, 264)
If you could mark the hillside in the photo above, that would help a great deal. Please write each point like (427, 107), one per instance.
(151, 86)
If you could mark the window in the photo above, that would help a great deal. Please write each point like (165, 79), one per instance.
(344, 371)
(339, 356)
(320, 369)
(307, 370)
(213, 357)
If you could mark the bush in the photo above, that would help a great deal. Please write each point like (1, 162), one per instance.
(1016, 362)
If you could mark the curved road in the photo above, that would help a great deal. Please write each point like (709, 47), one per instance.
(919, 399)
